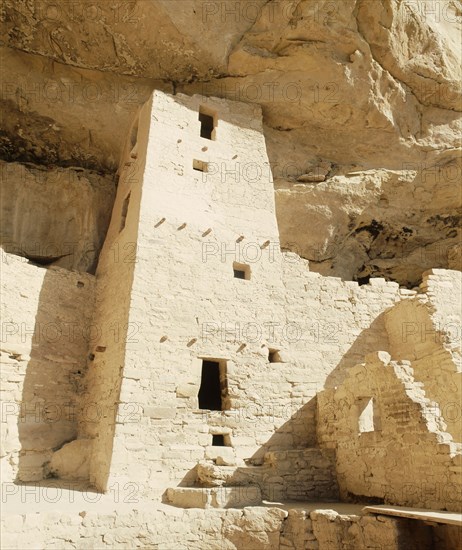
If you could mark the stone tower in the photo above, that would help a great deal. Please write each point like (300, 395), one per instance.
(190, 295)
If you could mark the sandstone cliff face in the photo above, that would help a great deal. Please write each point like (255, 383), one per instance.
(54, 216)
(361, 103)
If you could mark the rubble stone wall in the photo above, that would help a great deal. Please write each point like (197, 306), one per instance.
(250, 528)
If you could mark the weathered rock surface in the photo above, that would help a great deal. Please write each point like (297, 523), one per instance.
(54, 216)
(376, 223)
(59, 115)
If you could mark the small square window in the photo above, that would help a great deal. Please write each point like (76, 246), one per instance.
(241, 271)
(200, 165)
(218, 440)
(221, 440)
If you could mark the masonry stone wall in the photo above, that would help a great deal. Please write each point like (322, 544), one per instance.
(184, 290)
(254, 528)
(46, 317)
(327, 529)
(338, 322)
(289, 475)
(194, 229)
(389, 439)
(115, 331)
(427, 331)
(306, 475)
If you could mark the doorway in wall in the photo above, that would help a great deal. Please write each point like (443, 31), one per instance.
(214, 385)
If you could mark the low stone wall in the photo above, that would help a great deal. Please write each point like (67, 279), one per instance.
(298, 474)
(256, 528)
(305, 474)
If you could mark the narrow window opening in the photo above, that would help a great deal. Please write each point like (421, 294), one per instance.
(200, 165)
(369, 417)
(273, 356)
(241, 271)
(124, 212)
(207, 119)
(213, 388)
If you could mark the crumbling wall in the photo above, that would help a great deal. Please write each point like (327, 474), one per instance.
(389, 439)
(426, 330)
(303, 475)
(45, 333)
(289, 475)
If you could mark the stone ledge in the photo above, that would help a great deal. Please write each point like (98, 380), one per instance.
(214, 497)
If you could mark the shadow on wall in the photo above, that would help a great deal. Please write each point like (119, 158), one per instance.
(72, 382)
(371, 339)
(54, 375)
(296, 433)
(56, 216)
(293, 467)
(300, 430)
(287, 467)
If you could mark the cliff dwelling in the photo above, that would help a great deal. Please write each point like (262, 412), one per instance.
(231, 276)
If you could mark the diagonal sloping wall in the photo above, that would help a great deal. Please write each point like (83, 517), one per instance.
(391, 444)
(426, 330)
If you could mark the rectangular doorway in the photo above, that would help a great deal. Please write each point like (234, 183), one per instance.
(214, 385)
(208, 120)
